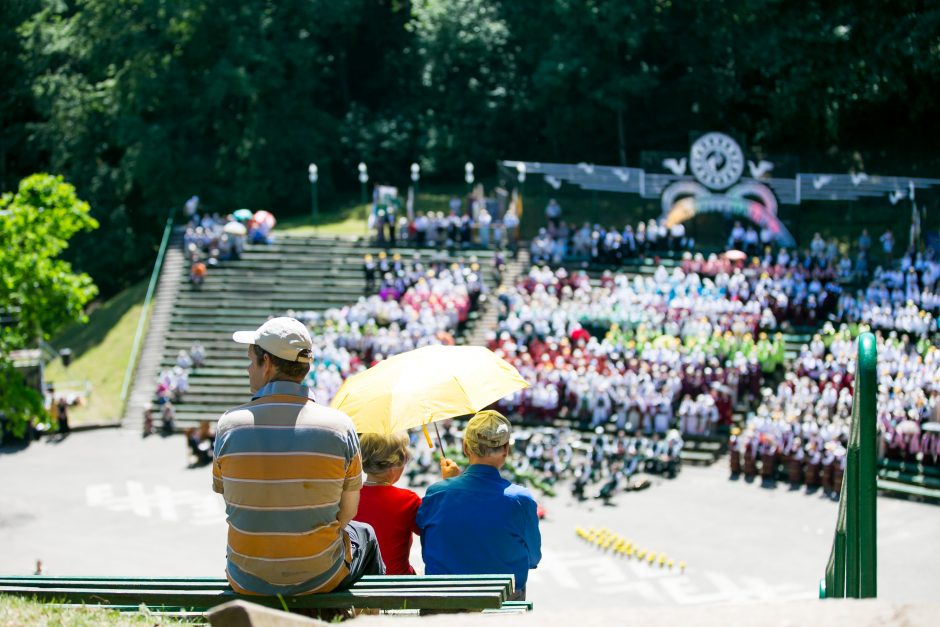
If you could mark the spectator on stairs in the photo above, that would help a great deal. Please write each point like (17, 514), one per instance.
(197, 271)
(198, 355)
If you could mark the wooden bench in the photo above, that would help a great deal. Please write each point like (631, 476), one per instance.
(186, 596)
(697, 457)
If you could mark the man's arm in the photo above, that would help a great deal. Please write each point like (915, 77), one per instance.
(216, 454)
(533, 537)
(349, 501)
(348, 506)
(216, 477)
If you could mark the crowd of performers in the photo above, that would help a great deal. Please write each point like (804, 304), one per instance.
(800, 429)
(683, 348)
(417, 304)
(593, 465)
(672, 350)
(646, 360)
(676, 353)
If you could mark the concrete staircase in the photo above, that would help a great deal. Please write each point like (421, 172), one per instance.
(293, 274)
(148, 363)
(489, 317)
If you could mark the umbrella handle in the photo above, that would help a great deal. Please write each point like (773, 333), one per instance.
(439, 443)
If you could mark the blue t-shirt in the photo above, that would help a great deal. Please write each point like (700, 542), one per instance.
(479, 523)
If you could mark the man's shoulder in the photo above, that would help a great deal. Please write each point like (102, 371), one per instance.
(519, 493)
(439, 486)
(323, 413)
(307, 412)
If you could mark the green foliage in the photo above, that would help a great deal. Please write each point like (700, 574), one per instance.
(37, 288)
(142, 103)
(39, 292)
(18, 402)
(464, 80)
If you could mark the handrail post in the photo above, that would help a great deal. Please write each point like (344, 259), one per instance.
(138, 336)
(866, 478)
(852, 553)
(852, 569)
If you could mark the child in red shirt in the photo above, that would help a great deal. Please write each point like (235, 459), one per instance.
(391, 511)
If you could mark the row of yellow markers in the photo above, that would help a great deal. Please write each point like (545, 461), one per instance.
(607, 540)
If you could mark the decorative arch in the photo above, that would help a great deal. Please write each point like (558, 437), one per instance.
(741, 207)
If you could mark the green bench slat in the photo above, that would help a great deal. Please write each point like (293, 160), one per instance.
(906, 488)
(223, 581)
(470, 598)
(909, 467)
(512, 607)
(222, 585)
(172, 594)
(696, 456)
(923, 481)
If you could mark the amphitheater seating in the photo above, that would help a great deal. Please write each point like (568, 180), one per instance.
(299, 273)
(305, 273)
(192, 597)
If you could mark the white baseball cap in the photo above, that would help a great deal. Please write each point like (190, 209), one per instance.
(283, 337)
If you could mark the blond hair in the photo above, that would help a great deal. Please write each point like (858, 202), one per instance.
(381, 452)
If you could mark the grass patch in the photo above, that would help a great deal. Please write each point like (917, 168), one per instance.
(100, 350)
(349, 219)
(18, 611)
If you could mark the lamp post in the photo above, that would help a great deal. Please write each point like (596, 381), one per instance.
(415, 177)
(363, 179)
(313, 175)
(520, 176)
(468, 176)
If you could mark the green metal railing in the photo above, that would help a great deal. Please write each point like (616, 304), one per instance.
(852, 569)
(144, 312)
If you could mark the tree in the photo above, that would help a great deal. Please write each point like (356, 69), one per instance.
(39, 292)
(464, 80)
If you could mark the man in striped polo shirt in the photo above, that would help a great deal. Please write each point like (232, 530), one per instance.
(290, 471)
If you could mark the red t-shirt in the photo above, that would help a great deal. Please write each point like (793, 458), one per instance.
(391, 512)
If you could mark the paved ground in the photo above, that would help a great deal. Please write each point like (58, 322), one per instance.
(107, 502)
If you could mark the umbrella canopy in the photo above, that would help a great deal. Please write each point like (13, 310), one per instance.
(264, 219)
(235, 228)
(425, 385)
(243, 214)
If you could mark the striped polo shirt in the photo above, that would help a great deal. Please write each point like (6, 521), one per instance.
(282, 462)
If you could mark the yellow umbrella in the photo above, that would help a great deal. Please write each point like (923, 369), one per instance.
(425, 385)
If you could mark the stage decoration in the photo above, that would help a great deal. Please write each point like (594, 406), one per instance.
(711, 179)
